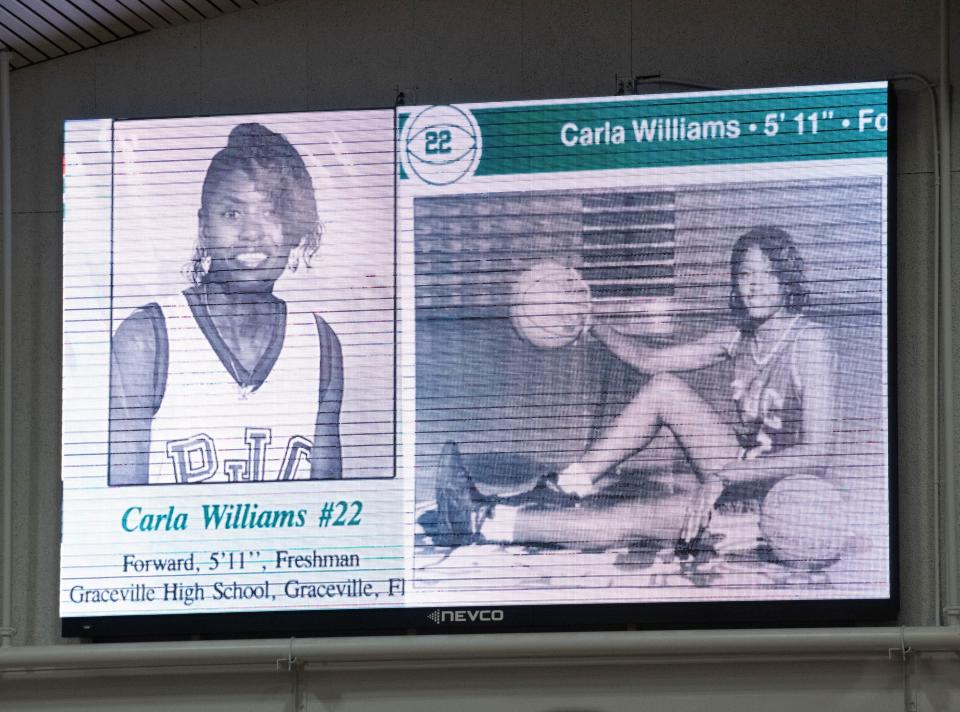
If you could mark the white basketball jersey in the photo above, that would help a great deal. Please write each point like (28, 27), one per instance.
(209, 429)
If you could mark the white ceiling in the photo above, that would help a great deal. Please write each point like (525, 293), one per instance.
(38, 30)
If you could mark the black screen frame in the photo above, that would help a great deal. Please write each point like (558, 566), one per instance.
(552, 617)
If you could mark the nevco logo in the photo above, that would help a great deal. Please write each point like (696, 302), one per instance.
(467, 615)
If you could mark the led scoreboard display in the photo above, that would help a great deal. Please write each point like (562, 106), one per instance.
(576, 363)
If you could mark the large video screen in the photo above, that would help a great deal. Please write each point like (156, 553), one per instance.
(620, 361)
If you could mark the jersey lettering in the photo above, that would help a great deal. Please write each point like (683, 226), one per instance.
(257, 440)
(297, 455)
(236, 470)
(195, 459)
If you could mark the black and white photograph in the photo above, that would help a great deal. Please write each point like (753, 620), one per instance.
(252, 300)
(646, 393)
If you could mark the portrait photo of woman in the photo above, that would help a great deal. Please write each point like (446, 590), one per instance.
(218, 375)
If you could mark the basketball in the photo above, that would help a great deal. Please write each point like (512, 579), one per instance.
(551, 305)
(803, 519)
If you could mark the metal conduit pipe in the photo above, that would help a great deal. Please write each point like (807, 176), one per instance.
(6, 375)
(948, 478)
(417, 651)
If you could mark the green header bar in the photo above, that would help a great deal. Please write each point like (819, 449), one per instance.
(683, 131)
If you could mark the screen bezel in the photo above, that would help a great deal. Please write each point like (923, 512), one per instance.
(554, 617)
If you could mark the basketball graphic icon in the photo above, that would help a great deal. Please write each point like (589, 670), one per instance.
(551, 305)
(440, 145)
(804, 521)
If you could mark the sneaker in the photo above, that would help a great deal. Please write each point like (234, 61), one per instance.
(458, 501)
